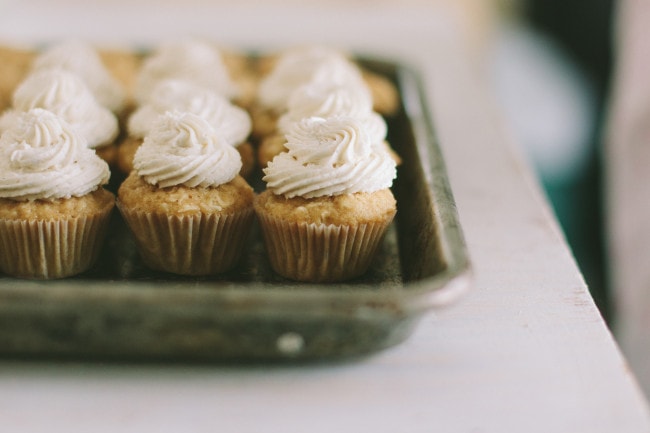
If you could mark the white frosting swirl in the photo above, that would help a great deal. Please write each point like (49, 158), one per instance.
(42, 157)
(183, 149)
(327, 157)
(194, 60)
(232, 122)
(82, 59)
(64, 94)
(317, 99)
(300, 66)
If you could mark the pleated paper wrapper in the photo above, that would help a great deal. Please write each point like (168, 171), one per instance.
(49, 249)
(193, 244)
(319, 252)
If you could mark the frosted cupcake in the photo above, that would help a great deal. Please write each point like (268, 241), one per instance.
(184, 201)
(66, 95)
(325, 100)
(328, 201)
(193, 60)
(283, 73)
(295, 68)
(53, 211)
(84, 61)
(232, 123)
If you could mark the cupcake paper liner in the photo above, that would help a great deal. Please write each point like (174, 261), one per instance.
(194, 244)
(318, 252)
(48, 249)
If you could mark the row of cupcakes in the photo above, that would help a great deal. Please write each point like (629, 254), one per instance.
(297, 83)
(195, 76)
(198, 76)
(185, 149)
(54, 213)
(326, 207)
(326, 162)
(71, 81)
(314, 99)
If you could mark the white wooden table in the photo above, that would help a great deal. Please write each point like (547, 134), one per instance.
(627, 159)
(525, 351)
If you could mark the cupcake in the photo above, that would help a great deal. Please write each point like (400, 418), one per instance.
(328, 201)
(293, 69)
(280, 75)
(317, 99)
(84, 61)
(53, 211)
(193, 60)
(232, 122)
(185, 203)
(66, 95)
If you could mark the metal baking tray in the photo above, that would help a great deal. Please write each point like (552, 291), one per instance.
(121, 311)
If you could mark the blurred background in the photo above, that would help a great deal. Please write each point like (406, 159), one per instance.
(550, 63)
(571, 79)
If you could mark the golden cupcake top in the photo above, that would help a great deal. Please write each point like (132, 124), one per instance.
(232, 122)
(43, 158)
(329, 156)
(66, 95)
(184, 149)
